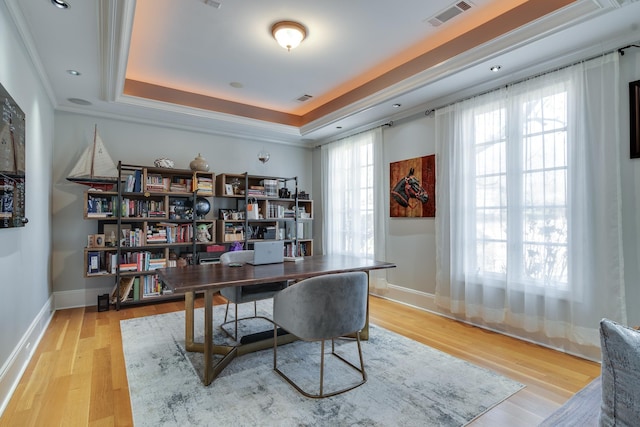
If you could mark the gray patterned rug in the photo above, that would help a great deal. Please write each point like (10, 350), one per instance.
(409, 384)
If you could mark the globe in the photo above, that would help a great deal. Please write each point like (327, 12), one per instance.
(202, 207)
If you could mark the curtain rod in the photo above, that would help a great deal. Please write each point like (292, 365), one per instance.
(619, 50)
(622, 49)
(431, 111)
(387, 124)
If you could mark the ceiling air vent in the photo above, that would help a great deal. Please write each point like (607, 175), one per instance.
(451, 12)
(213, 3)
(304, 98)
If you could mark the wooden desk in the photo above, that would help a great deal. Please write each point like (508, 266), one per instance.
(209, 278)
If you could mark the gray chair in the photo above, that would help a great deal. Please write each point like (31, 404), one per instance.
(319, 309)
(242, 294)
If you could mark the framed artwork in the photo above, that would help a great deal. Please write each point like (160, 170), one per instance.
(12, 162)
(634, 119)
(413, 188)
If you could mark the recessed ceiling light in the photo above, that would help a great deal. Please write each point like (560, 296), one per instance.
(495, 68)
(79, 101)
(61, 4)
(338, 127)
(237, 85)
(397, 105)
(73, 72)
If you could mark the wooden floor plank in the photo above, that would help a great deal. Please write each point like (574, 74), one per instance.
(77, 375)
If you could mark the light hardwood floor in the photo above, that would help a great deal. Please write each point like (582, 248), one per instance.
(77, 375)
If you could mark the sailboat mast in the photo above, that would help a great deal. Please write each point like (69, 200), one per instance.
(93, 155)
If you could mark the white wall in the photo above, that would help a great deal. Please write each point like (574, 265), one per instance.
(25, 305)
(411, 241)
(138, 143)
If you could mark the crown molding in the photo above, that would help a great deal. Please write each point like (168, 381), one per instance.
(23, 30)
(537, 30)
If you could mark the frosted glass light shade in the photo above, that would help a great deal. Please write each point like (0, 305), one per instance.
(288, 34)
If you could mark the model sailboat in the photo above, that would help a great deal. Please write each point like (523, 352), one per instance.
(95, 167)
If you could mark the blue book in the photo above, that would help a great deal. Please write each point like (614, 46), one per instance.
(137, 185)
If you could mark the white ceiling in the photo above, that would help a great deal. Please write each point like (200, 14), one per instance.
(188, 46)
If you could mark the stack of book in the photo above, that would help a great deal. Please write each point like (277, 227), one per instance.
(205, 185)
(255, 190)
(156, 234)
(180, 185)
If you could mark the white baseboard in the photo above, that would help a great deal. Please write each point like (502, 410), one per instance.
(78, 298)
(15, 366)
(407, 296)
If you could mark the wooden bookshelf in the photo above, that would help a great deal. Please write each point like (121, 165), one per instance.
(154, 215)
(288, 218)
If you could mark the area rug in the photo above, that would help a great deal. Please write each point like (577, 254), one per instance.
(409, 384)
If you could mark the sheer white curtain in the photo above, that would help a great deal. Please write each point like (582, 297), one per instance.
(353, 198)
(528, 228)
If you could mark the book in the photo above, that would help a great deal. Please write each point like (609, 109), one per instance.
(122, 289)
(137, 182)
(136, 289)
(93, 262)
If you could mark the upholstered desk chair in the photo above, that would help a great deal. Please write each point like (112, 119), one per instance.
(323, 308)
(249, 293)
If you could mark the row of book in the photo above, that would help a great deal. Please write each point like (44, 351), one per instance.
(133, 183)
(141, 261)
(100, 262)
(133, 237)
(101, 206)
(157, 183)
(293, 250)
(134, 288)
(169, 233)
(136, 208)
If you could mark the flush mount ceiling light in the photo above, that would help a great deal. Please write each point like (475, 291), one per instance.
(495, 68)
(73, 72)
(60, 3)
(288, 34)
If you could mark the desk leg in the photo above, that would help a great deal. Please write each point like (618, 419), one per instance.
(189, 345)
(364, 334)
(228, 353)
(208, 335)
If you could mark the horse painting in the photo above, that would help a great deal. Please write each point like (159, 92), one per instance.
(409, 188)
(413, 192)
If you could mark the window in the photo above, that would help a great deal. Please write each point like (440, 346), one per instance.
(348, 194)
(521, 189)
(529, 230)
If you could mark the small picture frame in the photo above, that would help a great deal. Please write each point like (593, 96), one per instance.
(100, 241)
(91, 241)
(228, 190)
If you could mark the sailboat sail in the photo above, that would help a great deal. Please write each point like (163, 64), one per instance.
(95, 165)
